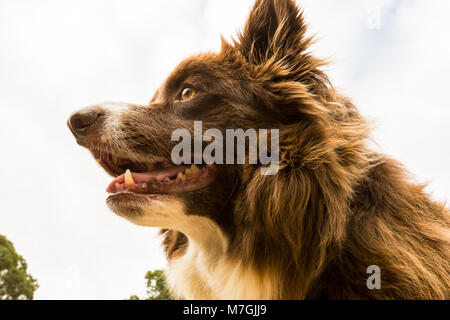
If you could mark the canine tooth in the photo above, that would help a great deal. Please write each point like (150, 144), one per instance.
(128, 178)
(180, 176)
(167, 179)
(194, 169)
(188, 172)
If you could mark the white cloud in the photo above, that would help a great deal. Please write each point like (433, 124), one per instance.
(59, 56)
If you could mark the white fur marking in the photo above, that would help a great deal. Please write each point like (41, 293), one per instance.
(205, 271)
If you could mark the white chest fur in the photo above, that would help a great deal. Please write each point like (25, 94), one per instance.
(206, 272)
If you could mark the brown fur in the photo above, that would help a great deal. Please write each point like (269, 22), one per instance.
(334, 208)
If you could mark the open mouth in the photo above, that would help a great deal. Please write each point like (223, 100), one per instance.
(154, 177)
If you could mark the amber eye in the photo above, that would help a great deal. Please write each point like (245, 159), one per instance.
(187, 94)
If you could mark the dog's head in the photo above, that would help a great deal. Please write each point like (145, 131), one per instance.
(266, 79)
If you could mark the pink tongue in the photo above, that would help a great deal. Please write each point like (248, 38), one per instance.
(146, 176)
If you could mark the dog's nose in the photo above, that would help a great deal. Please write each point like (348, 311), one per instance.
(80, 121)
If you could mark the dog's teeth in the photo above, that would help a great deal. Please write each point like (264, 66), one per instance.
(194, 169)
(167, 179)
(180, 176)
(128, 178)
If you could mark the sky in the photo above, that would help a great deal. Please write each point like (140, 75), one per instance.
(389, 56)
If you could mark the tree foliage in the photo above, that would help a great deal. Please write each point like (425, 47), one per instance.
(15, 282)
(157, 288)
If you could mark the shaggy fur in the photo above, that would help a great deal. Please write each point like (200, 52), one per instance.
(309, 232)
(336, 207)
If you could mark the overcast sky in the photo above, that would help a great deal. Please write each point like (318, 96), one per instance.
(390, 56)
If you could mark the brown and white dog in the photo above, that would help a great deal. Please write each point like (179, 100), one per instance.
(311, 230)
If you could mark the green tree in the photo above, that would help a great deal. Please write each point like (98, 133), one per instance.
(157, 288)
(15, 282)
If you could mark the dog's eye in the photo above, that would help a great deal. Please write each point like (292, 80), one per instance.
(187, 94)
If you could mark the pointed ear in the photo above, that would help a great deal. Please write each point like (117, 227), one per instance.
(274, 29)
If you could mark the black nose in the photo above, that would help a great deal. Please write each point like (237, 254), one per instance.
(81, 120)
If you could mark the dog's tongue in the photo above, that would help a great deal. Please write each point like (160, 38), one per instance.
(132, 178)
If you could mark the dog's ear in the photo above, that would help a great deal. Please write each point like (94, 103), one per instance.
(274, 30)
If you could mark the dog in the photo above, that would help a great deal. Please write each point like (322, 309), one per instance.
(332, 211)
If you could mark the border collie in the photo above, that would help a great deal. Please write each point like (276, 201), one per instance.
(331, 211)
